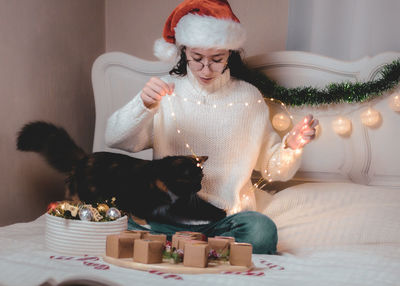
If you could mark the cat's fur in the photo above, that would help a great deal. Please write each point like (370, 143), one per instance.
(163, 190)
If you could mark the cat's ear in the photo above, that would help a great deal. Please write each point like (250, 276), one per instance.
(201, 159)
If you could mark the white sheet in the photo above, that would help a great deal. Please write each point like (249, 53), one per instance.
(25, 261)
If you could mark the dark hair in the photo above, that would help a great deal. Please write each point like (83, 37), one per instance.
(237, 67)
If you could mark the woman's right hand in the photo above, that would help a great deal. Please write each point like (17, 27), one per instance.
(154, 90)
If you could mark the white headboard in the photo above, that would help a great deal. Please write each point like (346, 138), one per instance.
(368, 156)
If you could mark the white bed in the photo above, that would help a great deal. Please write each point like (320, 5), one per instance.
(338, 220)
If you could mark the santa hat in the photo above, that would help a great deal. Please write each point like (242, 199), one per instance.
(200, 24)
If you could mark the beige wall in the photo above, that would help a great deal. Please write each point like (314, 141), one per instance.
(133, 26)
(47, 49)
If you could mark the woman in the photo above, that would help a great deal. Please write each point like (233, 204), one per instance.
(212, 112)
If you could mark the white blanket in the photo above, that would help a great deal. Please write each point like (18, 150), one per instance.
(341, 258)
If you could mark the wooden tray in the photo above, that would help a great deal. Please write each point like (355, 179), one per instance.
(213, 267)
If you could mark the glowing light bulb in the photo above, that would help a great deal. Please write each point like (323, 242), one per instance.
(179, 132)
(246, 104)
(370, 117)
(281, 122)
(394, 102)
(215, 106)
(287, 157)
(342, 126)
(259, 101)
(198, 102)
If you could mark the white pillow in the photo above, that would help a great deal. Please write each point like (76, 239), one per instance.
(335, 214)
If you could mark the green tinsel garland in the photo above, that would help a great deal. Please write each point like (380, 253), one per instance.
(345, 92)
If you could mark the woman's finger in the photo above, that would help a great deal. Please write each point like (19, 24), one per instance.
(151, 93)
(162, 85)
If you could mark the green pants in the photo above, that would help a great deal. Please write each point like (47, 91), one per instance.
(251, 227)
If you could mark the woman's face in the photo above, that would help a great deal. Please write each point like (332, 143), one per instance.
(206, 64)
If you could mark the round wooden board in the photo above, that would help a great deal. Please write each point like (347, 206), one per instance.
(175, 268)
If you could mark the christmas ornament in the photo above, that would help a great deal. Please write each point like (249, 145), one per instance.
(113, 213)
(73, 210)
(103, 208)
(370, 117)
(281, 121)
(95, 213)
(85, 213)
(342, 126)
(394, 102)
(52, 206)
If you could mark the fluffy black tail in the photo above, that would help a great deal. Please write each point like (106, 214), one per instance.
(52, 142)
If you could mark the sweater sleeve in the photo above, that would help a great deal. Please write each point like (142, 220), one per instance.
(130, 128)
(277, 163)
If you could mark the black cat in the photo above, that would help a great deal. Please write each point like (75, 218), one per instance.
(163, 190)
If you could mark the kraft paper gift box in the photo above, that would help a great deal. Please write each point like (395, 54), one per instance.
(229, 238)
(219, 244)
(148, 251)
(183, 242)
(119, 246)
(186, 235)
(156, 237)
(196, 254)
(240, 254)
(131, 234)
(135, 232)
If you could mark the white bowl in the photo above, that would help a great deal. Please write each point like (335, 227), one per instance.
(79, 237)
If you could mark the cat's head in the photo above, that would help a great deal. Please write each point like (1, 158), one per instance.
(182, 175)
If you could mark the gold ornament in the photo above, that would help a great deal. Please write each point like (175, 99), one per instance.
(73, 209)
(96, 215)
(102, 208)
(63, 206)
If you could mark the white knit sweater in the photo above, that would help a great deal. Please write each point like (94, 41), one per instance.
(228, 121)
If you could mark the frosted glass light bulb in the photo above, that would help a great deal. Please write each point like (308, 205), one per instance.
(394, 102)
(342, 126)
(370, 117)
(281, 121)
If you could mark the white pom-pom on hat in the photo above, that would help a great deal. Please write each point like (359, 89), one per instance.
(165, 51)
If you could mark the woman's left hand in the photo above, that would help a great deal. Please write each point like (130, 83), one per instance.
(302, 133)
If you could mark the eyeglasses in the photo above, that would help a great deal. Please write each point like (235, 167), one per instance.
(213, 66)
